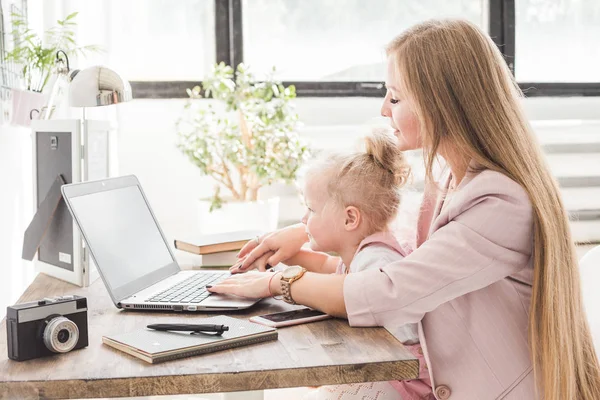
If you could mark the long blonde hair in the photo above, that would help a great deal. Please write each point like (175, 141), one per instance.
(464, 94)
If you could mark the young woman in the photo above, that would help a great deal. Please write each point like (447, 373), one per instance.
(494, 282)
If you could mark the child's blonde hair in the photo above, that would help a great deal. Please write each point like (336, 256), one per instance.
(464, 94)
(369, 180)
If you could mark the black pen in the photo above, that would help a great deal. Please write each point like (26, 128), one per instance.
(218, 329)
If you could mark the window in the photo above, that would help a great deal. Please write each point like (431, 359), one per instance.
(329, 40)
(557, 41)
(334, 48)
(168, 42)
(151, 40)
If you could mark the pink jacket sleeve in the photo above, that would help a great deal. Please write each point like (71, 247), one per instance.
(484, 234)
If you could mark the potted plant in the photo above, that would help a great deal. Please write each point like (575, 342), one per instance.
(251, 142)
(36, 58)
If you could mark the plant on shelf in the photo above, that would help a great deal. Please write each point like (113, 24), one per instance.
(251, 142)
(37, 57)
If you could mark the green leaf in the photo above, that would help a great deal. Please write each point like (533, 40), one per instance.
(212, 140)
(37, 56)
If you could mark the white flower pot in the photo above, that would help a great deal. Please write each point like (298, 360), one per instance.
(23, 102)
(262, 215)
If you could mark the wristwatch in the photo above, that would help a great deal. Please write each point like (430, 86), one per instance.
(288, 276)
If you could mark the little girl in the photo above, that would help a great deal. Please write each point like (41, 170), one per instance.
(351, 201)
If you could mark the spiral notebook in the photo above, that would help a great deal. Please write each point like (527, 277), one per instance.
(158, 346)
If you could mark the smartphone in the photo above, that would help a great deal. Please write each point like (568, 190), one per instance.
(288, 318)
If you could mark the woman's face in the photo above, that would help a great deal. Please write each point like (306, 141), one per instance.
(398, 108)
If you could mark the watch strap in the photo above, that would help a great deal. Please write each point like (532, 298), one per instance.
(286, 286)
(286, 292)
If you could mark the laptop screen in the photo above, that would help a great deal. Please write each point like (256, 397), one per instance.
(122, 235)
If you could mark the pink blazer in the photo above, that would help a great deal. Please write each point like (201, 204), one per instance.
(468, 284)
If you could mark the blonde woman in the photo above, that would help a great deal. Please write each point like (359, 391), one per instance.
(494, 282)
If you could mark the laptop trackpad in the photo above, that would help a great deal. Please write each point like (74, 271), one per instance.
(223, 300)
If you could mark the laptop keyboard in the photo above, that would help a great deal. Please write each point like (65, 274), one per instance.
(191, 290)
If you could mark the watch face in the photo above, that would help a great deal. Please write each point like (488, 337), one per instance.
(291, 272)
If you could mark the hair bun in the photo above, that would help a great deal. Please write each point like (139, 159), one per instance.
(382, 148)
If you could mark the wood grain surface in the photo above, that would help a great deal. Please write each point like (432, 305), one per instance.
(319, 353)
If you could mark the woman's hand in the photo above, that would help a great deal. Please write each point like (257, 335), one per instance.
(253, 285)
(323, 292)
(259, 264)
(283, 244)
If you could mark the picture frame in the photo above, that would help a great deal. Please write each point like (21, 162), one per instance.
(77, 150)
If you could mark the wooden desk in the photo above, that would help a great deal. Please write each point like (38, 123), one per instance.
(325, 352)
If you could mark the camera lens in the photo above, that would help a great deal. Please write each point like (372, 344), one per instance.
(61, 335)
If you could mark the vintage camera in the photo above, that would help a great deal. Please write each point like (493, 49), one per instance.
(45, 327)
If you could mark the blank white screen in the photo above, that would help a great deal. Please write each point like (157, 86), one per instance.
(122, 234)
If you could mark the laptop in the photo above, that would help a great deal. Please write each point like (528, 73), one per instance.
(132, 254)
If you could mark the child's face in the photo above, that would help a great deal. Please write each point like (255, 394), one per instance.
(396, 106)
(322, 219)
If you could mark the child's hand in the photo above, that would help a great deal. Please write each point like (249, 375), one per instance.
(273, 248)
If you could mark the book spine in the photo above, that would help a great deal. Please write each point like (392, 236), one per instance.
(260, 339)
(185, 247)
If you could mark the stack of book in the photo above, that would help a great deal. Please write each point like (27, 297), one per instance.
(218, 250)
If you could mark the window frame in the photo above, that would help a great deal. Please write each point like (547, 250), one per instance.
(230, 49)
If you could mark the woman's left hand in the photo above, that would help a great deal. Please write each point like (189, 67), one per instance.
(260, 264)
(252, 284)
